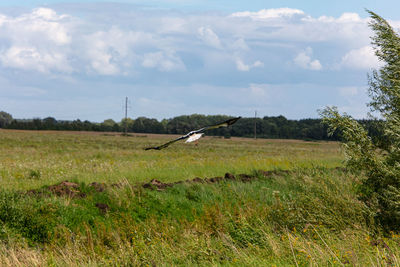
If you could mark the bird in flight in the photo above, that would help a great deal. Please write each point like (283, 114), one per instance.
(195, 135)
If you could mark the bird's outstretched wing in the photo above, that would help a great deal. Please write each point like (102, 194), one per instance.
(219, 125)
(222, 124)
(166, 144)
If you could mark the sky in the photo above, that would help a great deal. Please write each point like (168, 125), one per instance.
(79, 60)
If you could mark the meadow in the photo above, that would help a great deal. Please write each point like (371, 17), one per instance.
(299, 207)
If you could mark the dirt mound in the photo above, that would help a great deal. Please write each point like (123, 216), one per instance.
(156, 184)
(99, 187)
(213, 180)
(103, 208)
(160, 186)
(229, 176)
(73, 190)
(66, 188)
(245, 177)
(197, 180)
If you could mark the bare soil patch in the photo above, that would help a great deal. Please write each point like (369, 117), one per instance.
(73, 190)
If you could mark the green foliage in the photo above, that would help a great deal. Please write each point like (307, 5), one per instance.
(378, 157)
(30, 218)
(5, 119)
(34, 174)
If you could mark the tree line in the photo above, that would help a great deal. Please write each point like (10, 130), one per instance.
(277, 127)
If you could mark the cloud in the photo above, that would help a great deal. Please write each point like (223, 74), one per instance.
(36, 41)
(30, 58)
(240, 44)
(361, 58)
(273, 13)
(304, 60)
(241, 66)
(244, 59)
(163, 61)
(50, 42)
(209, 37)
(346, 17)
(108, 52)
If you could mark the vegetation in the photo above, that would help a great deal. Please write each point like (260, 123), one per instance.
(379, 158)
(31, 159)
(310, 215)
(268, 127)
(5, 119)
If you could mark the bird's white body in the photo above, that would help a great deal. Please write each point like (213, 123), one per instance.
(194, 137)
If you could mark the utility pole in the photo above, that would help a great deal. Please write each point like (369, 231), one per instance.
(126, 116)
(255, 124)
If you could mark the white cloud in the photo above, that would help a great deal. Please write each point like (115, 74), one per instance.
(269, 13)
(58, 42)
(40, 26)
(30, 58)
(109, 51)
(46, 13)
(240, 44)
(163, 61)
(241, 66)
(304, 60)
(349, 17)
(36, 41)
(361, 58)
(209, 37)
(344, 18)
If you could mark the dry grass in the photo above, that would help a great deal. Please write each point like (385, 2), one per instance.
(309, 217)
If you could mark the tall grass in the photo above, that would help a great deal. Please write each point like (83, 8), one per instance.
(309, 216)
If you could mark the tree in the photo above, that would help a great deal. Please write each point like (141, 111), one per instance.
(108, 125)
(5, 119)
(128, 122)
(378, 158)
(50, 123)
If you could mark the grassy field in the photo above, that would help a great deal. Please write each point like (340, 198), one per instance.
(30, 159)
(307, 216)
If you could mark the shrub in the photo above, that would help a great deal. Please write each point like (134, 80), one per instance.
(378, 158)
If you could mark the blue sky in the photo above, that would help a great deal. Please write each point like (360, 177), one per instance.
(81, 59)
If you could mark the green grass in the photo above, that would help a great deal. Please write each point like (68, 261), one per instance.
(32, 159)
(309, 216)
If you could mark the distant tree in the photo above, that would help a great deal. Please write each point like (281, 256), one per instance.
(145, 125)
(50, 123)
(107, 125)
(128, 122)
(5, 119)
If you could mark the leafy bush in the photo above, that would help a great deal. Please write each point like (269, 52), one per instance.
(378, 158)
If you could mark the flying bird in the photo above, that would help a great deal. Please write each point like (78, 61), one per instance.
(195, 135)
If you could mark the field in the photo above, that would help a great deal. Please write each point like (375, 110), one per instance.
(284, 202)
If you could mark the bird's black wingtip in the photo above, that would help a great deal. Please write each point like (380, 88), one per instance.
(150, 148)
(233, 120)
